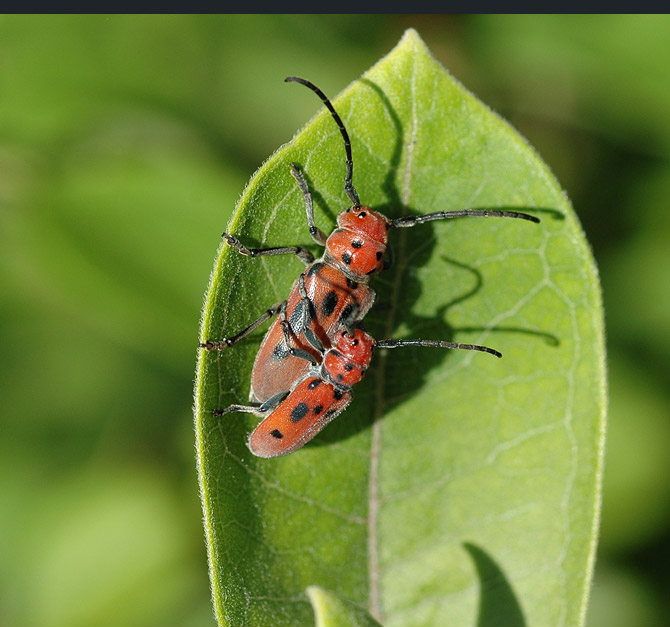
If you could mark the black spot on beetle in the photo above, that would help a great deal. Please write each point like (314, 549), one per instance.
(346, 257)
(337, 394)
(339, 377)
(313, 384)
(362, 214)
(299, 412)
(379, 255)
(318, 409)
(357, 243)
(348, 367)
(329, 303)
(351, 284)
(276, 433)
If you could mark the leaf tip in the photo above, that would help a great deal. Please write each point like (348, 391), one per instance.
(411, 38)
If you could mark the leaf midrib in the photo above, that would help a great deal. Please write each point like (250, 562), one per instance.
(375, 604)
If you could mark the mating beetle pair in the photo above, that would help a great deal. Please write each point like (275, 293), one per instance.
(315, 350)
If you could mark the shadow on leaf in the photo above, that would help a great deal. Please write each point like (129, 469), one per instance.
(498, 604)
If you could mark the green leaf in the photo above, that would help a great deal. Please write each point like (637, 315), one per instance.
(457, 488)
(332, 611)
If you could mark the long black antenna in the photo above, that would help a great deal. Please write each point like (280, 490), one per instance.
(348, 184)
(437, 344)
(407, 221)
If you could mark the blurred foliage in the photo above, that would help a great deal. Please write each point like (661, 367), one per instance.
(125, 142)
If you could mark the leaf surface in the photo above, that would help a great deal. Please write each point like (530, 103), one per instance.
(457, 488)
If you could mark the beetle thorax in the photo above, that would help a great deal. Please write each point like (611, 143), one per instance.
(358, 245)
(345, 364)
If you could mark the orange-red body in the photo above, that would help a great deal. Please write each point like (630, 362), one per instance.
(280, 434)
(338, 292)
(316, 398)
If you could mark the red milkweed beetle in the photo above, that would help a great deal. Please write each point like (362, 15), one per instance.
(296, 416)
(329, 298)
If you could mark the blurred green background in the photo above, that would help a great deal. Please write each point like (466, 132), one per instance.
(124, 145)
